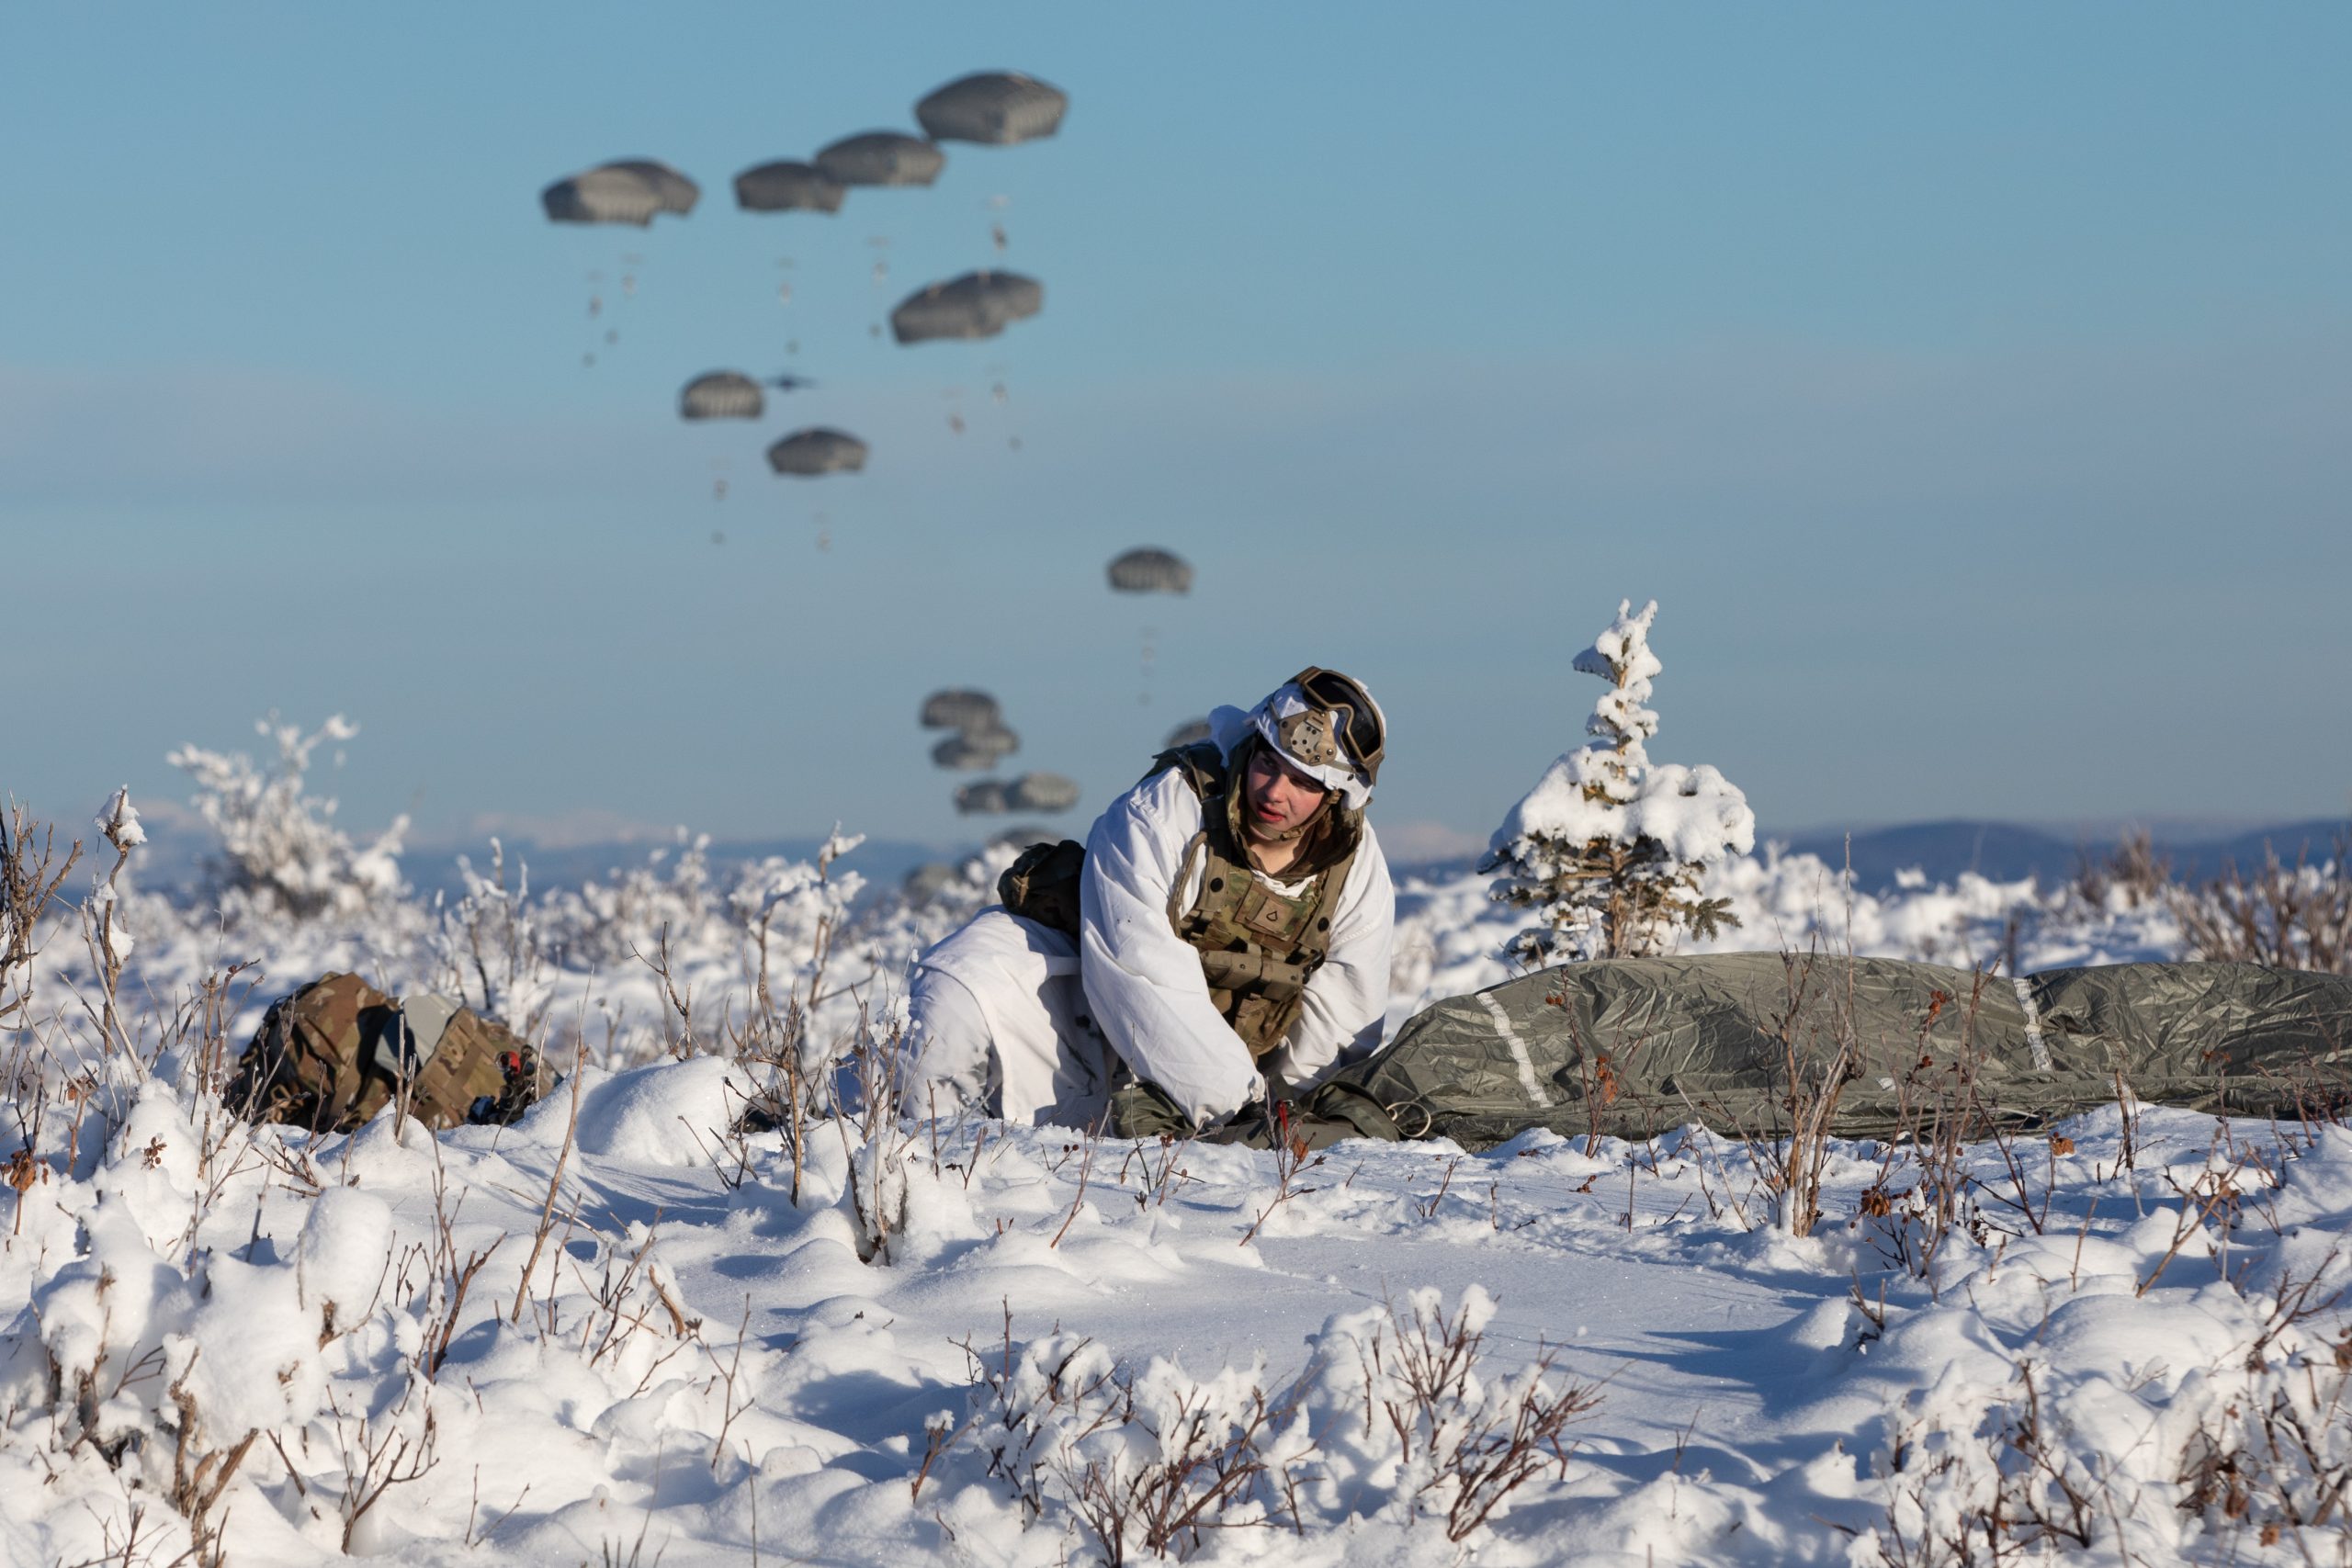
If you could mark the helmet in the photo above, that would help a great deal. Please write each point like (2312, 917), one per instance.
(1353, 721)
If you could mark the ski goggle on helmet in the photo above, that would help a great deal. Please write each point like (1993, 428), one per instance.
(1357, 724)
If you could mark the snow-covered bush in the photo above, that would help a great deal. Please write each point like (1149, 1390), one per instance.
(280, 852)
(489, 946)
(668, 896)
(1393, 1418)
(1608, 848)
(2289, 917)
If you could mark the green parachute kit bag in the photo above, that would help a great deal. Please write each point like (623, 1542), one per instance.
(1632, 1047)
(337, 1051)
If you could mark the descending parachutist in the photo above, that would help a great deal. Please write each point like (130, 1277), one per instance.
(997, 392)
(612, 335)
(873, 331)
(995, 232)
(718, 489)
(716, 538)
(596, 306)
(628, 283)
(881, 269)
(955, 423)
(1014, 442)
(825, 541)
(783, 292)
(589, 359)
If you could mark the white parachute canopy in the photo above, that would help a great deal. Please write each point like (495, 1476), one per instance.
(626, 190)
(996, 108)
(1151, 571)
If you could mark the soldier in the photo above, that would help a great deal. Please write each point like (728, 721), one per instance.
(1217, 947)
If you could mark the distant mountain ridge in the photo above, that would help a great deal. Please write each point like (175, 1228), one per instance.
(2005, 852)
(2008, 851)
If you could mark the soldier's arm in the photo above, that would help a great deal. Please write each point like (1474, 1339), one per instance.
(1346, 998)
(1143, 981)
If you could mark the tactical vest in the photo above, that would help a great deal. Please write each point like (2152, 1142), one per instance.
(1257, 945)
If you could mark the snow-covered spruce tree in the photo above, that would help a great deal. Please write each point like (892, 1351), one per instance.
(1608, 848)
(281, 852)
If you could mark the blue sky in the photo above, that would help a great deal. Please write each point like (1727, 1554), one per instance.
(1970, 387)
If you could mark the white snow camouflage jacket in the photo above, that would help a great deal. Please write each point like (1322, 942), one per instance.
(1144, 982)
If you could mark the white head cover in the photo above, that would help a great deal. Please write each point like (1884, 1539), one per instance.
(1287, 722)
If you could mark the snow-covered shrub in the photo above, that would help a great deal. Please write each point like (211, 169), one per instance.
(280, 852)
(668, 897)
(2288, 917)
(1608, 848)
(1407, 1422)
(1391, 1418)
(488, 948)
(32, 869)
(1147, 1460)
(1979, 1475)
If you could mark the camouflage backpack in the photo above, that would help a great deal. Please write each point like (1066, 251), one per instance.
(337, 1051)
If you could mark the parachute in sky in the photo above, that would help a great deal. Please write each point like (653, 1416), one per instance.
(787, 187)
(985, 796)
(977, 305)
(1190, 733)
(927, 881)
(995, 106)
(960, 708)
(1151, 571)
(722, 394)
(881, 158)
(973, 748)
(626, 190)
(817, 450)
(1042, 792)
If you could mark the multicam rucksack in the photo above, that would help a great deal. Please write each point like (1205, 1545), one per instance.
(337, 1051)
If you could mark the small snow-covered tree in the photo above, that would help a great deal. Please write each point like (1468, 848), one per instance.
(281, 852)
(1608, 848)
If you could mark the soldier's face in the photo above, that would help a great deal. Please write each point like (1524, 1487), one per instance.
(1277, 797)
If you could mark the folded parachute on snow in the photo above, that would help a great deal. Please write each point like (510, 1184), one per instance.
(787, 187)
(1636, 1047)
(1151, 571)
(881, 158)
(818, 450)
(977, 305)
(722, 394)
(998, 108)
(626, 190)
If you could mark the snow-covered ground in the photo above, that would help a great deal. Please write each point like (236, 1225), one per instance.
(638, 1335)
